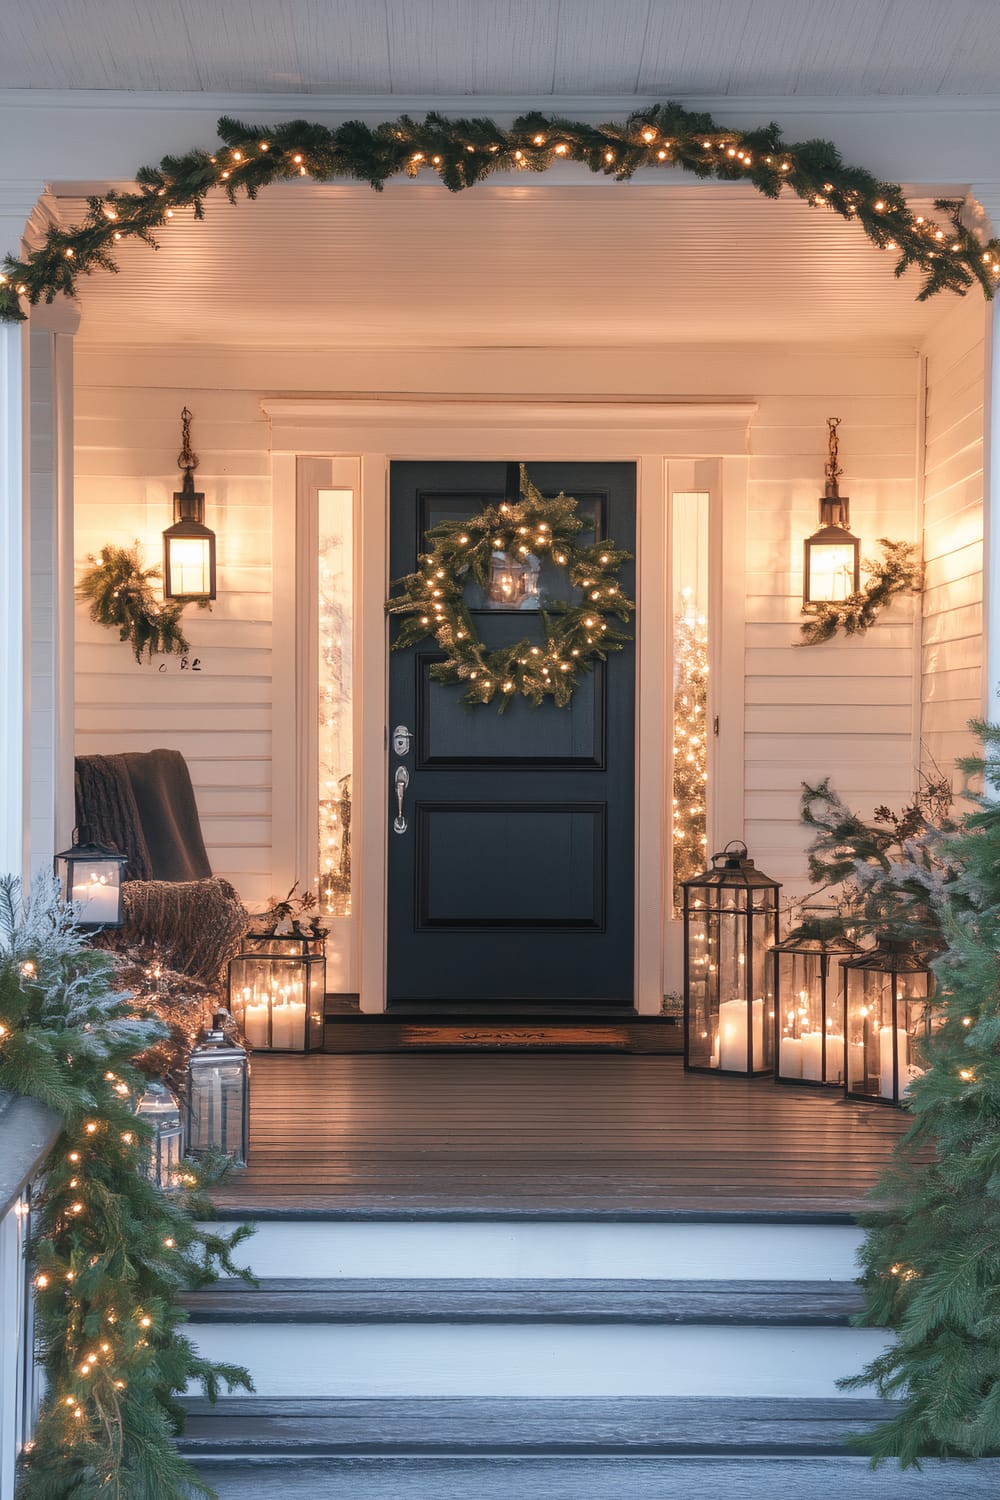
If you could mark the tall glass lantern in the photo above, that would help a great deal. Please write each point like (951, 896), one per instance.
(730, 923)
(891, 1011)
(809, 1002)
(218, 1096)
(278, 999)
(159, 1108)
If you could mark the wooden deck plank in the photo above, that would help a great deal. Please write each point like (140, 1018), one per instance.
(549, 1132)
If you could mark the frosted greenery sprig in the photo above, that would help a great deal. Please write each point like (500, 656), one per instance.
(464, 152)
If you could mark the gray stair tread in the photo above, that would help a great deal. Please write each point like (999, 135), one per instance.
(783, 1303)
(501, 1478)
(258, 1425)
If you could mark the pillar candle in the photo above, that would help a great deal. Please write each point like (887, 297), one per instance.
(790, 1057)
(733, 1035)
(255, 1023)
(885, 1059)
(834, 1058)
(856, 1064)
(96, 899)
(812, 1056)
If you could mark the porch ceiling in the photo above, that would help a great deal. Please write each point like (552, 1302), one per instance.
(599, 265)
(506, 47)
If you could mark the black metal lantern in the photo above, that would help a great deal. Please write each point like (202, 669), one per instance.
(832, 558)
(890, 1011)
(188, 545)
(90, 879)
(809, 1003)
(217, 1116)
(287, 944)
(278, 1000)
(160, 1109)
(730, 923)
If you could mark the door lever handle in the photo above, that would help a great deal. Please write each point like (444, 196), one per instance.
(402, 781)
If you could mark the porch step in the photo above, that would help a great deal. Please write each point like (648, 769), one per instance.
(253, 1427)
(633, 1477)
(802, 1304)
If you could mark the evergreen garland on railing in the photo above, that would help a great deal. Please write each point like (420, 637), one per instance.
(464, 152)
(111, 1254)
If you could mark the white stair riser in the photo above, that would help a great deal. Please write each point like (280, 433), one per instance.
(499, 1249)
(448, 1359)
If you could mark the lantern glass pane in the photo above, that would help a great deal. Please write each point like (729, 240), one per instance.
(335, 623)
(689, 592)
(160, 1109)
(94, 888)
(217, 1102)
(810, 1022)
(830, 571)
(190, 566)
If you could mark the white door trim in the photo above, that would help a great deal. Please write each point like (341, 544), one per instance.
(469, 428)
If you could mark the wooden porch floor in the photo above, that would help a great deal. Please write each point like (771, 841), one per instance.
(548, 1133)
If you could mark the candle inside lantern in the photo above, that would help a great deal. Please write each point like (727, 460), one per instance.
(255, 1009)
(733, 1015)
(834, 1058)
(886, 1069)
(95, 897)
(790, 1057)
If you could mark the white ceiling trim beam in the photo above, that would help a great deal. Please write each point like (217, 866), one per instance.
(72, 136)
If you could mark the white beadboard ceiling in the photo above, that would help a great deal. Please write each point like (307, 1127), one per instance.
(602, 264)
(742, 48)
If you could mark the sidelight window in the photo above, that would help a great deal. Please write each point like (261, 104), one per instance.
(689, 603)
(334, 622)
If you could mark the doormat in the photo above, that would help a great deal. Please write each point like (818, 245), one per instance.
(518, 1038)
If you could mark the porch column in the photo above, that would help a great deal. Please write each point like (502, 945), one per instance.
(50, 780)
(988, 196)
(16, 202)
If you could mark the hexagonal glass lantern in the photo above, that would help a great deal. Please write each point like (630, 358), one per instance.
(160, 1109)
(730, 924)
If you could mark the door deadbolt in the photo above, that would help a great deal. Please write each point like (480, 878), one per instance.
(401, 740)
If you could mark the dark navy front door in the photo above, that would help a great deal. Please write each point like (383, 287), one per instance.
(512, 884)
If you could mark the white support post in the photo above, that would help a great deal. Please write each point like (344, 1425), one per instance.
(988, 195)
(50, 544)
(16, 203)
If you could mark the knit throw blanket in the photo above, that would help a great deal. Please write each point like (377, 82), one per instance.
(106, 808)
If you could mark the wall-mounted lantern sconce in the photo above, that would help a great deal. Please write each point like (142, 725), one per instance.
(832, 555)
(188, 545)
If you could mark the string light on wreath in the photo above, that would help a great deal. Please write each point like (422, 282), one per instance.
(488, 549)
(464, 152)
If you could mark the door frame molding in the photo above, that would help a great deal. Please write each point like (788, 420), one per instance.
(383, 429)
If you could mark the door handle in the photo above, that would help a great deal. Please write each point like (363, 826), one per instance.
(402, 781)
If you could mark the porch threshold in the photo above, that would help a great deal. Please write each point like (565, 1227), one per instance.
(563, 1137)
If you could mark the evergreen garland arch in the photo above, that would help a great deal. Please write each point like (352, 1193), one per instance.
(464, 152)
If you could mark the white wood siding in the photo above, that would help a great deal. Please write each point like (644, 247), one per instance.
(128, 436)
(952, 647)
(838, 709)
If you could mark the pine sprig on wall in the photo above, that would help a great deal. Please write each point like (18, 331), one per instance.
(463, 152)
(118, 590)
(111, 1253)
(931, 1261)
(899, 572)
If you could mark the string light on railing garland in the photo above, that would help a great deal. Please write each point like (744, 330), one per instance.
(465, 152)
(432, 601)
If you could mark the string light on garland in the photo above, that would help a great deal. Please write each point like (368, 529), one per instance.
(464, 551)
(464, 152)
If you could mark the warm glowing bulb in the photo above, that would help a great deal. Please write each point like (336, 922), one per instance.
(41, 1281)
(145, 1322)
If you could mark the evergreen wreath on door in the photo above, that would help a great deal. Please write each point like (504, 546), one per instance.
(522, 534)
